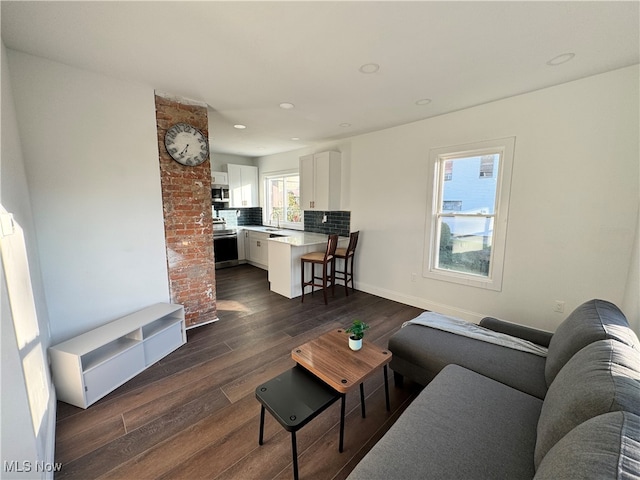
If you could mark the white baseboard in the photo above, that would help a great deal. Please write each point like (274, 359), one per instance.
(421, 303)
(215, 319)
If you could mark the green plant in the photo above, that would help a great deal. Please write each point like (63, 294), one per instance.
(357, 329)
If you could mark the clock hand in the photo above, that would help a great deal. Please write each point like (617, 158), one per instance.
(185, 150)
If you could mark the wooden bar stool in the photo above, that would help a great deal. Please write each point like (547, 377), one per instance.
(347, 254)
(326, 259)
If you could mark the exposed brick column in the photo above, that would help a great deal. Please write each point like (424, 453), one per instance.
(186, 200)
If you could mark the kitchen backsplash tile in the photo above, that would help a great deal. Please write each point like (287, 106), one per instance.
(237, 217)
(337, 222)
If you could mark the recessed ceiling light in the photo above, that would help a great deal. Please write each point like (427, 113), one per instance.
(239, 126)
(344, 125)
(560, 59)
(369, 68)
(287, 105)
(423, 101)
(295, 138)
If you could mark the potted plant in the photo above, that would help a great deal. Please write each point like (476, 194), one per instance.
(356, 331)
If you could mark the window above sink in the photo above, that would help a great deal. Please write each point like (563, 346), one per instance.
(282, 201)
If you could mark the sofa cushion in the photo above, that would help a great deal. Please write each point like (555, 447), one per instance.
(606, 446)
(602, 377)
(422, 352)
(592, 321)
(462, 425)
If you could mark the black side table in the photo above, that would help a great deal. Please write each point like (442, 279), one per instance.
(294, 398)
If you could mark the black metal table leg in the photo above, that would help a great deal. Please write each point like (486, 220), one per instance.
(386, 388)
(342, 409)
(260, 438)
(364, 413)
(294, 449)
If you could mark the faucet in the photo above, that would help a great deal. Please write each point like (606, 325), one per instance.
(277, 218)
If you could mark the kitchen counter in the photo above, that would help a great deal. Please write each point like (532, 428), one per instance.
(270, 229)
(297, 238)
(284, 252)
(284, 260)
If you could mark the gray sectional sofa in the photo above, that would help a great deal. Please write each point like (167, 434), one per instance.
(491, 412)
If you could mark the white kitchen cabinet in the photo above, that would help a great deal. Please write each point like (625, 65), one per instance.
(320, 181)
(258, 251)
(219, 178)
(88, 367)
(243, 186)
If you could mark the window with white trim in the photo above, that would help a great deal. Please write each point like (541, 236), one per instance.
(282, 200)
(467, 213)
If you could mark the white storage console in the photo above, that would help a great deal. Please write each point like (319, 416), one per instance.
(88, 367)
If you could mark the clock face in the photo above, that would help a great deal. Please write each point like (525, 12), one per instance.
(186, 144)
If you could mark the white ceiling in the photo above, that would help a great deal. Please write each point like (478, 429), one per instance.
(245, 58)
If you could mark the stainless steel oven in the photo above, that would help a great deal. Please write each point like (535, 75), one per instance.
(225, 244)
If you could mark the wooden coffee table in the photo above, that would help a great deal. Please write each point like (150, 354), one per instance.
(330, 359)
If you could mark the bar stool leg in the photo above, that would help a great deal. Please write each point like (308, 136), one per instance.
(346, 276)
(333, 277)
(324, 282)
(294, 449)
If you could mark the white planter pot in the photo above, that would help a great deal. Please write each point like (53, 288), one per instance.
(355, 344)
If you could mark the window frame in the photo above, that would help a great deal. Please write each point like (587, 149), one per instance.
(505, 147)
(267, 203)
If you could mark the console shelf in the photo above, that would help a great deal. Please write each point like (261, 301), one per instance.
(88, 367)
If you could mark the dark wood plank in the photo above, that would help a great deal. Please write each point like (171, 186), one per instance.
(194, 413)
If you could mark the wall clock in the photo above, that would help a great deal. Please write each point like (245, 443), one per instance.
(186, 144)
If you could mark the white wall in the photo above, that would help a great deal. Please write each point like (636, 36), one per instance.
(91, 159)
(28, 402)
(574, 199)
(219, 161)
(631, 302)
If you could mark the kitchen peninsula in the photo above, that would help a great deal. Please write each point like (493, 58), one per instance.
(284, 251)
(284, 260)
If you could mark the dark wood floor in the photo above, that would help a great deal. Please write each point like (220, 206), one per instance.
(194, 415)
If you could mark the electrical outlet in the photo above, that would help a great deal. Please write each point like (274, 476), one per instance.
(324, 219)
(558, 306)
(414, 276)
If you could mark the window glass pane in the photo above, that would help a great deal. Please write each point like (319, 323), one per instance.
(465, 244)
(466, 190)
(448, 170)
(292, 189)
(486, 166)
(282, 203)
(276, 188)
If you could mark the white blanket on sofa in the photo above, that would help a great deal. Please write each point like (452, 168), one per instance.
(468, 329)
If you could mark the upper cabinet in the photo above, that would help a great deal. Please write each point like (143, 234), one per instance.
(243, 186)
(320, 175)
(219, 178)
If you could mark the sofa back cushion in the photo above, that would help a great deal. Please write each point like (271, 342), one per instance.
(606, 446)
(602, 377)
(592, 321)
